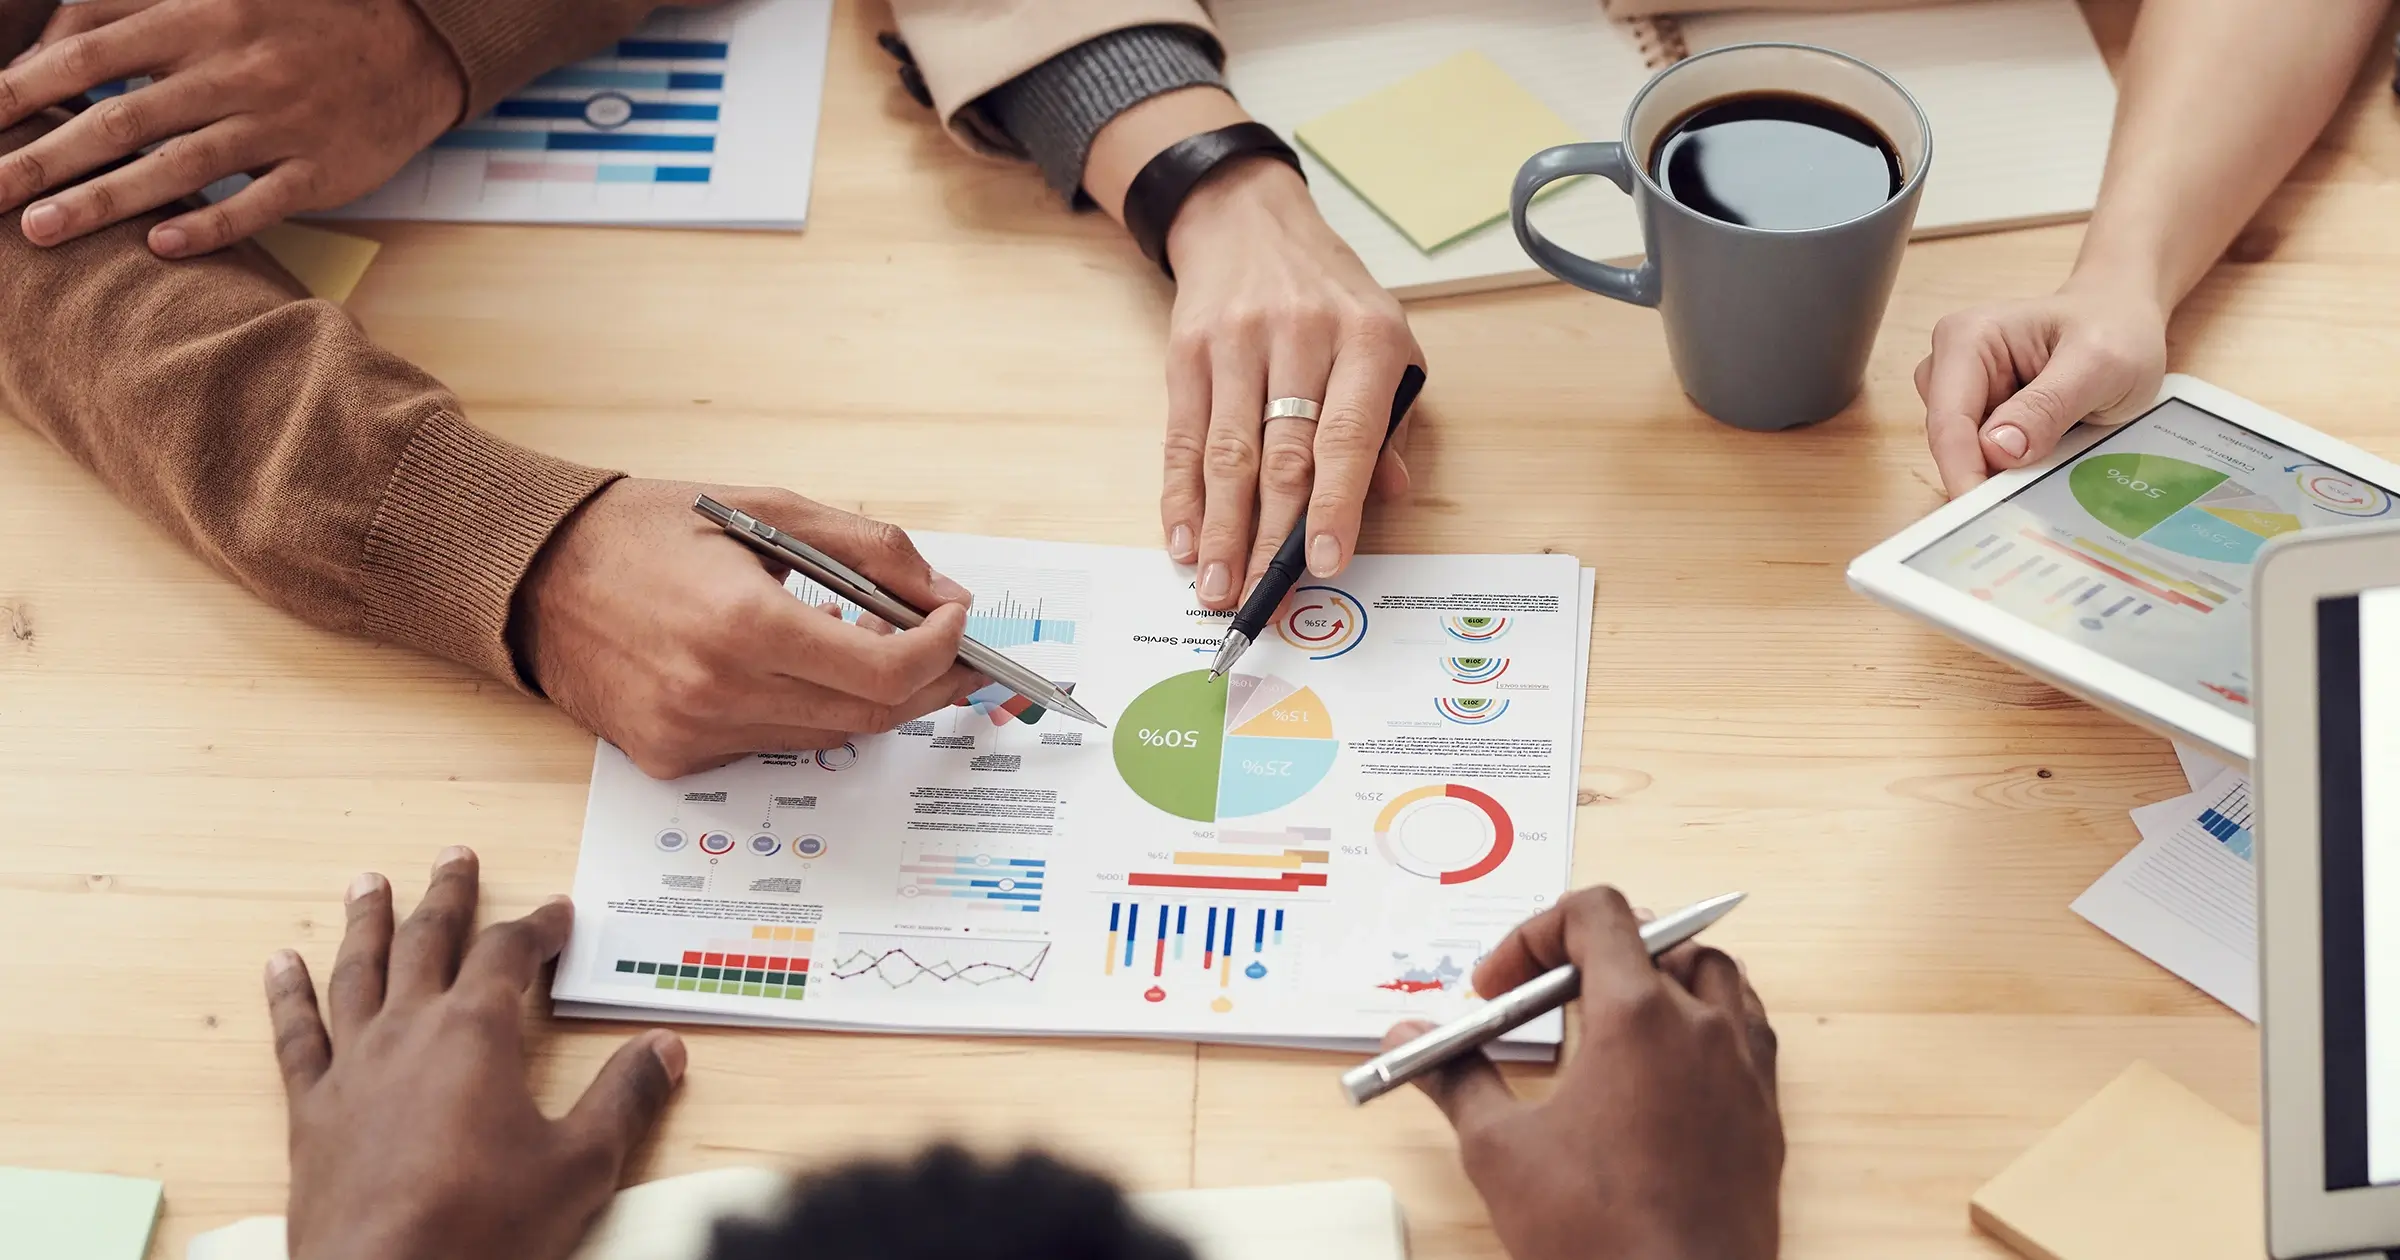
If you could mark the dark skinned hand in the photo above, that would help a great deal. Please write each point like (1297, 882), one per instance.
(414, 1135)
(1662, 1138)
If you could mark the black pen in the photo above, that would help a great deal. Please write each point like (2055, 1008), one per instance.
(1286, 569)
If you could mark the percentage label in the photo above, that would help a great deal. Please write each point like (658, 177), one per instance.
(1354, 850)
(1168, 739)
(1266, 769)
(1368, 796)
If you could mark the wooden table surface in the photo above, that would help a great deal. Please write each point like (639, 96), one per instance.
(188, 779)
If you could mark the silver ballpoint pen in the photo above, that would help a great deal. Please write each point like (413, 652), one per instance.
(855, 587)
(1539, 996)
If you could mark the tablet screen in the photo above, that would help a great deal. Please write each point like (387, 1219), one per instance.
(2140, 548)
(2358, 726)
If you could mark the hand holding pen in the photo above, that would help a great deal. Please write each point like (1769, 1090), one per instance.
(656, 632)
(1660, 1136)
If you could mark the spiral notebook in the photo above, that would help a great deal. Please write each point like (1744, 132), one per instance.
(2019, 99)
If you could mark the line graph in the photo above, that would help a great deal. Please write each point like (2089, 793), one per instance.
(900, 962)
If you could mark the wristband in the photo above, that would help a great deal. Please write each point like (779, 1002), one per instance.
(1157, 195)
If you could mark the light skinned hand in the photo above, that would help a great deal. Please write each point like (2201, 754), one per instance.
(413, 1133)
(1270, 303)
(321, 102)
(1662, 1135)
(680, 646)
(2007, 380)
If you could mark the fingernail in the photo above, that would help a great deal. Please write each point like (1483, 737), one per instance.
(2010, 438)
(950, 592)
(452, 856)
(282, 963)
(169, 242)
(44, 221)
(559, 899)
(1215, 581)
(1179, 544)
(1324, 555)
(671, 1054)
(366, 885)
(22, 57)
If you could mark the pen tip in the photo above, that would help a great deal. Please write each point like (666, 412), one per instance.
(1215, 674)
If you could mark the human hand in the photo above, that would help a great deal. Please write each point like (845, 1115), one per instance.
(680, 646)
(322, 102)
(2006, 381)
(414, 1136)
(1662, 1136)
(1271, 304)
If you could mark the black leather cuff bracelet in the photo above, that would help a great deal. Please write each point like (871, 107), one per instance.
(1157, 195)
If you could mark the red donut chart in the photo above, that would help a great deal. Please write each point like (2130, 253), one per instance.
(1437, 857)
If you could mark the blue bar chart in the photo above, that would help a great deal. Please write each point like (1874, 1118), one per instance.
(704, 116)
(978, 877)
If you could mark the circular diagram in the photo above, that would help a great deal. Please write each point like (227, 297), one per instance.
(1323, 622)
(838, 759)
(1470, 710)
(2340, 493)
(808, 847)
(716, 843)
(608, 110)
(1475, 629)
(1446, 832)
(672, 840)
(1242, 745)
(765, 845)
(1473, 670)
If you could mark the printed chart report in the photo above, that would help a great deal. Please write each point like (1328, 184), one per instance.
(703, 117)
(2141, 548)
(1309, 850)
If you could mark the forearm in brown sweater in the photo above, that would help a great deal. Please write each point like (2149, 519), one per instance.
(268, 434)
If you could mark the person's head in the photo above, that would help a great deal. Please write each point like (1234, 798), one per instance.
(946, 1204)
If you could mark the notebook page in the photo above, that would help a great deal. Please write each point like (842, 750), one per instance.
(2019, 98)
(1292, 60)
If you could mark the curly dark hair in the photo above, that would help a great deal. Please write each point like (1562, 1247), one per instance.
(946, 1204)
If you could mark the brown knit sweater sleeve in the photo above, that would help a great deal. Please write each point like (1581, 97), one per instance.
(265, 432)
(502, 45)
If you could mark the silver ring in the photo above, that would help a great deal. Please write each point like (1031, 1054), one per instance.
(1292, 409)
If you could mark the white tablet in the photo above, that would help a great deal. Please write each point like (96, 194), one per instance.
(2328, 852)
(2120, 569)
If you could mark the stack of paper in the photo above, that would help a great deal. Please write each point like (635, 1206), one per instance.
(2186, 897)
(1306, 852)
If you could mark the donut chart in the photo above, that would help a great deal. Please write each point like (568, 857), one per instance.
(1446, 832)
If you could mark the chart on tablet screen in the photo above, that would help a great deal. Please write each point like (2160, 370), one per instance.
(2141, 548)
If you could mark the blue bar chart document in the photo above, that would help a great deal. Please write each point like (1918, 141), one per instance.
(703, 118)
(1306, 851)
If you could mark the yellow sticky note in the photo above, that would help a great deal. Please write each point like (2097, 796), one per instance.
(328, 264)
(1436, 152)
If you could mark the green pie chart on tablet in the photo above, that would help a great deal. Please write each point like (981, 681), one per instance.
(1244, 744)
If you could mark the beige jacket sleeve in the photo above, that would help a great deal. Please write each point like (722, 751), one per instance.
(965, 48)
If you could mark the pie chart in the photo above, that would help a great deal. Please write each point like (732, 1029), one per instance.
(1447, 832)
(2179, 506)
(1244, 744)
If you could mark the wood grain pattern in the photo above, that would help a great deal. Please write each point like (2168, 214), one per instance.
(188, 780)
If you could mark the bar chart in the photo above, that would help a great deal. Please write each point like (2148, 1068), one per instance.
(975, 876)
(703, 116)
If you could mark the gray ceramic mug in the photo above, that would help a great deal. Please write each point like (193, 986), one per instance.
(1767, 329)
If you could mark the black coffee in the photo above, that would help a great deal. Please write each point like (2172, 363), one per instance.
(1776, 160)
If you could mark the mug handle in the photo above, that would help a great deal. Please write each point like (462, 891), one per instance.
(1638, 285)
